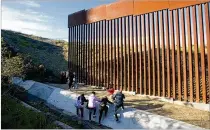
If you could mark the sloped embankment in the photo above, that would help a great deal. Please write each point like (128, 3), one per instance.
(51, 53)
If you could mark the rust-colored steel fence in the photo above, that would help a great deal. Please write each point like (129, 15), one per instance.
(162, 51)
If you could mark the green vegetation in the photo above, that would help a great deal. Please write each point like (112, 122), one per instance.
(53, 54)
(13, 66)
(29, 59)
(12, 63)
(18, 64)
(16, 116)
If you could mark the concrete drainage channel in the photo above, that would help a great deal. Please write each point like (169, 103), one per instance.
(60, 117)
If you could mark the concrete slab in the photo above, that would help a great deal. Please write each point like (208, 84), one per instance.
(40, 90)
(16, 80)
(27, 84)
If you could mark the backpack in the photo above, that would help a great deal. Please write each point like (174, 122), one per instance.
(78, 102)
(102, 104)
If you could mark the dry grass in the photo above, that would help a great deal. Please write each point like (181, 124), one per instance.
(178, 112)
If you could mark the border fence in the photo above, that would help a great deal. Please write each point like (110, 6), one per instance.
(159, 48)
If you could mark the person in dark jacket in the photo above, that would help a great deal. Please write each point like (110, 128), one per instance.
(119, 102)
(103, 107)
(80, 104)
(70, 79)
(62, 78)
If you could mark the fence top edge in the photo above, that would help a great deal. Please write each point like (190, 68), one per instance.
(95, 21)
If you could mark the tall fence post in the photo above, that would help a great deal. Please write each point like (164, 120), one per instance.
(152, 43)
(117, 54)
(121, 53)
(148, 65)
(207, 40)
(114, 53)
(194, 40)
(136, 69)
(202, 51)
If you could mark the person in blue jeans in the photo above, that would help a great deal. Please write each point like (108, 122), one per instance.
(75, 85)
(92, 99)
(79, 104)
(74, 82)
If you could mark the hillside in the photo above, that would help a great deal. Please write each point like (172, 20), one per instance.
(53, 54)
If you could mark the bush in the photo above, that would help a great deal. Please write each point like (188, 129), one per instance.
(13, 66)
(7, 51)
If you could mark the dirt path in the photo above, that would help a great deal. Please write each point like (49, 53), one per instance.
(178, 112)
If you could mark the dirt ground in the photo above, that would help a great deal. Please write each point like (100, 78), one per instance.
(178, 112)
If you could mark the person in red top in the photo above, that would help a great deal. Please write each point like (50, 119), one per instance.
(110, 90)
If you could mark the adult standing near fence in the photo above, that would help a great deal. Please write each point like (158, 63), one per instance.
(62, 77)
(75, 84)
(70, 79)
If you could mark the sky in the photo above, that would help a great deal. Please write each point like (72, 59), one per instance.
(46, 18)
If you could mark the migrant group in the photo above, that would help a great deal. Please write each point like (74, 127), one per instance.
(118, 99)
(118, 102)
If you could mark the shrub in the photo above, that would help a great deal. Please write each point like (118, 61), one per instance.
(24, 43)
(13, 66)
(7, 51)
